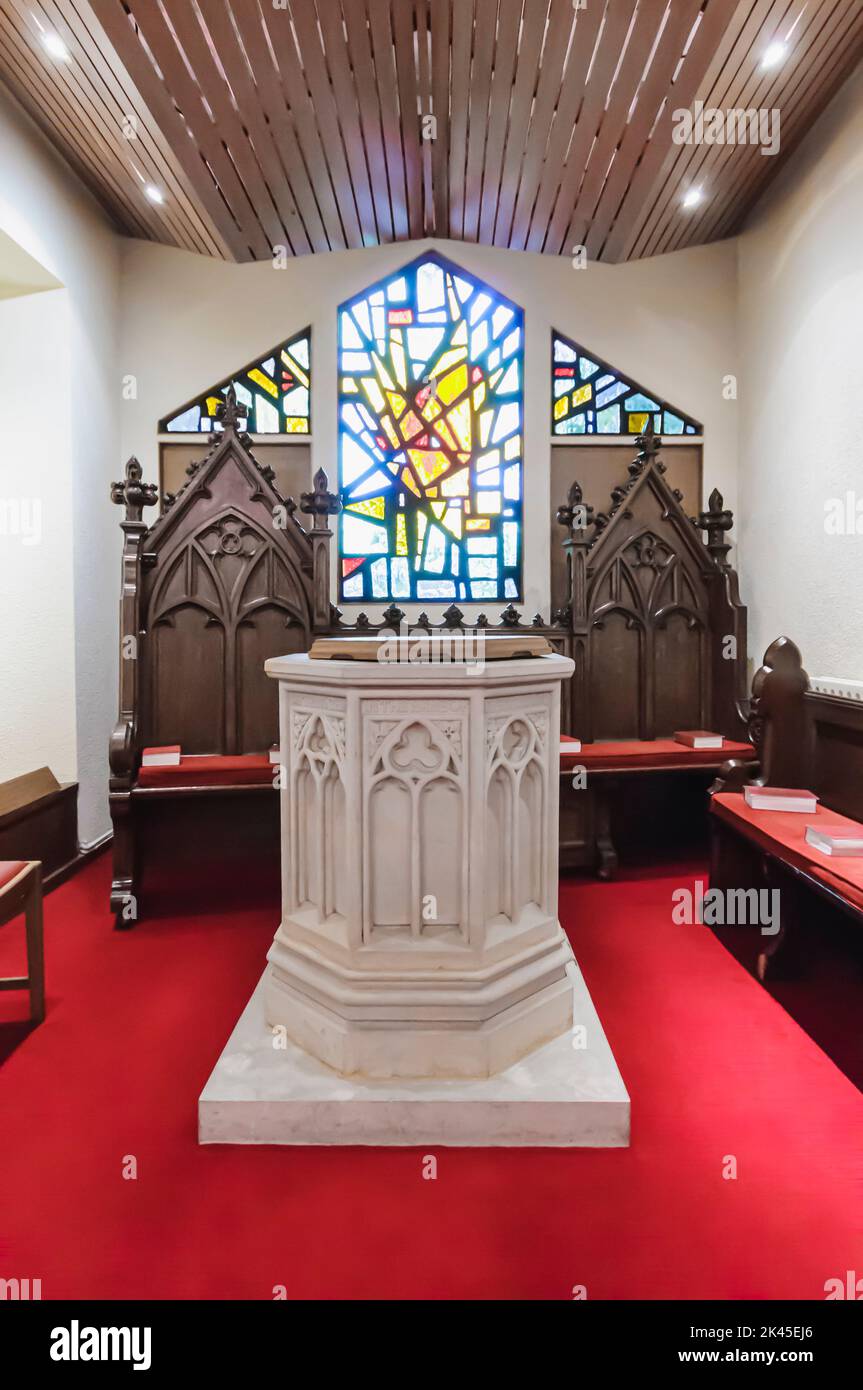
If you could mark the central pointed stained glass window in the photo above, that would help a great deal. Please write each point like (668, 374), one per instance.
(430, 438)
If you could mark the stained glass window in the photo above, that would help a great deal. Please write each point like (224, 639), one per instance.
(590, 397)
(430, 438)
(274, 389)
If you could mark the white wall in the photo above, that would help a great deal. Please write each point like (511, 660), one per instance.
(47, 212)
(801, 421)
(37, 686)
(670, 322)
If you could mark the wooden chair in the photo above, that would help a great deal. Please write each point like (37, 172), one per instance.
(21, 891)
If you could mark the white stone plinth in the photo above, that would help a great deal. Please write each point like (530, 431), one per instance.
(560, 1096)
(419, 934)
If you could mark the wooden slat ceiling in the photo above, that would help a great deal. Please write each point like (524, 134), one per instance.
(300, 123)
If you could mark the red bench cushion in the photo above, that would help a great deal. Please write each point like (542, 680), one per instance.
(783, 833)
(9, 869)
(656, 752)
(211, 770)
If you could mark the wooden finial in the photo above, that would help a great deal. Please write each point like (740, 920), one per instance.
(229, 413)
(133, 494)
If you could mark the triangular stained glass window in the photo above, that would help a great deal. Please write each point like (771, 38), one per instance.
(431, 367)
(274, 389)
(590, 397)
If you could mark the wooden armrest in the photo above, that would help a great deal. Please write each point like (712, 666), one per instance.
(734, 775)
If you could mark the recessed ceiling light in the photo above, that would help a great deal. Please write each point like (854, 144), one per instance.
(774, 54)
(56, 47)
(692, 198)
(154, 194)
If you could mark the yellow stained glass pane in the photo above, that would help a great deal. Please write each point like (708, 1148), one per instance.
(560, 407)
(265, 381)
(457, 484)
(432, 408)
(444, 432)
(408, 480)
(512, 447)
(428, 463)
(438, 508)
(401, 535)
(213, 403)
(374, 393)
(583, 394)
(637, 423)
(294, 366)
(297, 424)
(349, 385)
(370, 506)
(397, 404)
(477, 523)
(479, 394)
(410, 425)
(453, 385)
(453, 519)
(484, 426)
(390, 431)
(450, 358)
(459, 419)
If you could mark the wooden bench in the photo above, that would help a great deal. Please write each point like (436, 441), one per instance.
(803, 739)
(658, 636)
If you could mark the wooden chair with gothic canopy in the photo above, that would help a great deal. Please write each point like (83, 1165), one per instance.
(224, 579)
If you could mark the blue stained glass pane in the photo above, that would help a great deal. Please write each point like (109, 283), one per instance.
(587, 368)
(608, 420)
(611, 393)
(640, 402)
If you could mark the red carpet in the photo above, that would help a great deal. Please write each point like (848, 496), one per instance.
(136, 1021)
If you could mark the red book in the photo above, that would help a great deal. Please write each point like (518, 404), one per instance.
(169, 756)
(780, 799)
(699, 738)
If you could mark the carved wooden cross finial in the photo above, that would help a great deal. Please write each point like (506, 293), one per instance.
(320, 502)
(229, 412)
(648, 444)
(132, 493)
(716, 521)
(575, 514)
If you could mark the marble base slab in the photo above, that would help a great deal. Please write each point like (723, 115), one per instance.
(567, 1094)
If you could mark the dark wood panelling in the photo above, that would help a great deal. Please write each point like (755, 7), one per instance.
(299, 124)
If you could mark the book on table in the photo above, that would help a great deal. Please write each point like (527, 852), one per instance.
(168, 756)
(568, 744)
(780, 799)
(841, 840)
(699, 738)
(275, 754)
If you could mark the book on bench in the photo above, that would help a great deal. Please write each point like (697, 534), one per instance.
(569, 744)
(699, 738)
(836, 839)
(169, 756)
(780, 799)
(275, 754)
